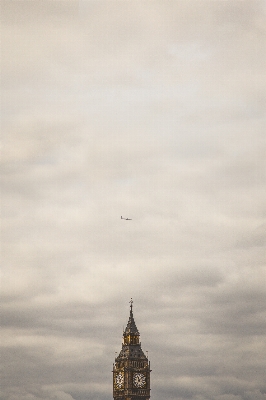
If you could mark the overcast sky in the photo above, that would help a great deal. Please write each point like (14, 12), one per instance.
(153, 110)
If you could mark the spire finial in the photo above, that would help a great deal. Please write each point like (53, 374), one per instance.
(131, 304)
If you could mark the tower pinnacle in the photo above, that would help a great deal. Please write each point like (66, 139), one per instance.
(131, 333)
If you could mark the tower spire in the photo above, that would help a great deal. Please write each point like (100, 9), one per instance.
(131, 333)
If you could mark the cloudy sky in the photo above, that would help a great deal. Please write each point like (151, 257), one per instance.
(154, 110)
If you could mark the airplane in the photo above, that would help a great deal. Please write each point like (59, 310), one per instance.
(127, 219)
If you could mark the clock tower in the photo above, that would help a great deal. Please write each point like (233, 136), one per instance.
(131, 370)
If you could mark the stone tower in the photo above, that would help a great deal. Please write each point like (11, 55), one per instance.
(131, 370)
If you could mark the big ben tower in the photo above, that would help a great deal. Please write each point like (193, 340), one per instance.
(131, 370)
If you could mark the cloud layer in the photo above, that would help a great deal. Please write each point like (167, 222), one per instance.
(155, 111)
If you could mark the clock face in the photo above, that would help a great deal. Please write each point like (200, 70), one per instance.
(139, 380)
(119, 380)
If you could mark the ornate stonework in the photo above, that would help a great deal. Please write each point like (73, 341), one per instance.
(131, 370)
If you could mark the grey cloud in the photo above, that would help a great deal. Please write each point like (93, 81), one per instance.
(155, 111)
(255, 238)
